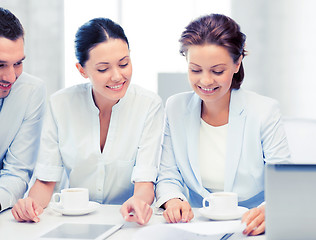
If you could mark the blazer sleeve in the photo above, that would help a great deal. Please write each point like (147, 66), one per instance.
(170, 183)
(274, 142)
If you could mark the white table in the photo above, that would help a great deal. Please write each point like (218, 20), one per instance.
(107, 214)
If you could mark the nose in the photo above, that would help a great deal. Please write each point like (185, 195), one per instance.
(9, 74)
(116, 75)
(207, 79)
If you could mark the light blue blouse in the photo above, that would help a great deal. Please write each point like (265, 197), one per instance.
(71, 140)
(21, 118)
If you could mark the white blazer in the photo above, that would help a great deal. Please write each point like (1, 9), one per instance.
(255, 136)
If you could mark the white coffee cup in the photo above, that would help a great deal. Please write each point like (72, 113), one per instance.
(72, 198)
(221, 202)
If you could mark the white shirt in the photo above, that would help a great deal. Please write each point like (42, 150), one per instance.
(71, 140)
(21, 119)
(212, 155)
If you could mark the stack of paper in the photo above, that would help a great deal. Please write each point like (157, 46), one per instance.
(220, 230)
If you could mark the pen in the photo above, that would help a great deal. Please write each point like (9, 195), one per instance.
(226, 236)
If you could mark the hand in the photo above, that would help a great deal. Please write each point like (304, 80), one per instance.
(255, 220)
(27, 210)
(177, 210)
(136, 210)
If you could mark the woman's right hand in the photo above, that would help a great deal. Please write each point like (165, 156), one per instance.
(26, 210)
(177, 210)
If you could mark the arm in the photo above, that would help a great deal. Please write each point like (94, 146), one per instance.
(170, 185)
(137, 208)
(145, 170)
(30, 208)
(21, 155)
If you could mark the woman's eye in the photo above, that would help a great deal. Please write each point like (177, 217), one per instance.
(123, 65)
(195, 71)
(218, 72)
(102, 70)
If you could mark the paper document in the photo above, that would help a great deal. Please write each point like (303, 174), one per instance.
(220, 230)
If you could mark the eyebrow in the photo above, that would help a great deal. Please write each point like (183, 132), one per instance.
(1, 61)
(100, 63)
(210, 67)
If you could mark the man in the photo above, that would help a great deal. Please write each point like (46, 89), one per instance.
(22, 103)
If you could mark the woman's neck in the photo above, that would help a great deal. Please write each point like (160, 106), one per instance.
(216, 113)
(103, 104)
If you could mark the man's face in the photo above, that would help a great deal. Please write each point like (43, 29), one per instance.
(11, 67)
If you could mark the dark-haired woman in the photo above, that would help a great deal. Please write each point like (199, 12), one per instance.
(218, 137)
(106, 134)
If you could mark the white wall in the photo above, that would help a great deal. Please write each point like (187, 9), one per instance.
(281, 44)
(281, 36)
(43, 23)
(152, 28)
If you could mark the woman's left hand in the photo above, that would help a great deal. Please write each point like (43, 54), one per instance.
(136, 210)
(255, 220)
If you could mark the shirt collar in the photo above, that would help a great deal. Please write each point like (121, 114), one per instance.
(1, 103)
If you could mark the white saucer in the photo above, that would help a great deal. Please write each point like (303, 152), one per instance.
(92, 206)
(215, 215)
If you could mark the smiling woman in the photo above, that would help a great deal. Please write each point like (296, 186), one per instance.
(109, 69)
(218, 137)
(106, 134)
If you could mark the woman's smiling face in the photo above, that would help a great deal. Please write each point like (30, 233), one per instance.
(210, 71)
(109, 69)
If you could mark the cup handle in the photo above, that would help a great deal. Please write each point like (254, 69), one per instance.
(56, 196)
(204, 201)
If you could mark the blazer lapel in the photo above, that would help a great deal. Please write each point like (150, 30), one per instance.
(192, 126)
(237, 118)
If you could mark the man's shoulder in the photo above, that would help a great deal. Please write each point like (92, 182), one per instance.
(30, 79)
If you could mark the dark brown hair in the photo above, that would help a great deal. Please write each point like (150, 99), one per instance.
(10, 26)
(219, 30)
(92, 33)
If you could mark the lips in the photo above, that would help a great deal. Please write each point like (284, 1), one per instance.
(6, 86)
(208, 90)
(117, 87)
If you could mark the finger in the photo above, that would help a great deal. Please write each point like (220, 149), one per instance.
(20, 210)
(29, 210)
(166, 216)
(245, 216)
(38, 209)
(171, 213)
(258, 230)
(148, 215)
(124, 211)
(131, 218)
(251, 215)
(186, 214)
(20, 215)
(139, 214)
(177, 213)
(16, 216)
(254, 224)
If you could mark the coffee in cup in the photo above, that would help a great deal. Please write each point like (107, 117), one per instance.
(72, 198)
(221, 202)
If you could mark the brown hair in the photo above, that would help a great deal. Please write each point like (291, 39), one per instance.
(10, 26)
(220, 30)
